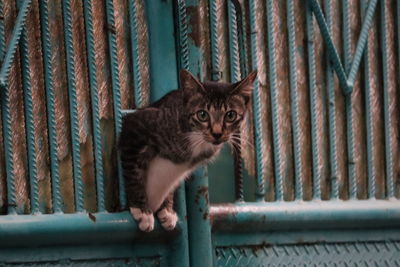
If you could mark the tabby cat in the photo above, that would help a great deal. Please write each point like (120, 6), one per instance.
(162, 144)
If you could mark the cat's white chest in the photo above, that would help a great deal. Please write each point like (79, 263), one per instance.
(163, 176)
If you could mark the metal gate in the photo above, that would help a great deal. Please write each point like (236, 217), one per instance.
(315, 183)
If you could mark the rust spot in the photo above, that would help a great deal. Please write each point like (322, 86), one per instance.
(203, 191)
(111, 28)
(194, 22)
(92, 217)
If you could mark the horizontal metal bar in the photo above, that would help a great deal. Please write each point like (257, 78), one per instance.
(12, 47)
(300, 215)
(80, 228)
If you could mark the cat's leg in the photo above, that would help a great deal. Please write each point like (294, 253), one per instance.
(134, 172)
(166, 213)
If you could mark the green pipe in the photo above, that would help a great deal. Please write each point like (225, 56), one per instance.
(73, 229)
(300, 215)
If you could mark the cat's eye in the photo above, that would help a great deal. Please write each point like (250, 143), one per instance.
(202, 115)
(230, 116)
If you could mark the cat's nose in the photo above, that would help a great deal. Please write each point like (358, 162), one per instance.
(216, 135)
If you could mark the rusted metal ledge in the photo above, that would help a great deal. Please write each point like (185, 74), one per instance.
(75, 229)
(301, 215)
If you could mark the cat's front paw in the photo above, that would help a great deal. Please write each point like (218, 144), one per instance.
(145, 220)
(167, 219)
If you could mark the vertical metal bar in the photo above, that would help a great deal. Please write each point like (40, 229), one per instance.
(116, 86)
(199, 223)
(274, 100)
(386, 108)
(260, 189)
(7, 137)
(50, 100)
(314, 113)
(369, 122)
(135, 54)
(215, 57)
(331, 111)
(88, 13)
(349, 102)
(29, 122)
(398, 29)
(76, 155)
(333, 55)
(12, 47)
(235, 77)
(161, 30)
(233, 43)
(362, 41)
(183, 35)
(294, 100)
(2, 34)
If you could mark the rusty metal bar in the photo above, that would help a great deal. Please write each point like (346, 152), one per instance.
(260, 183)
(12, 47)
(251, 217)
(73, 103)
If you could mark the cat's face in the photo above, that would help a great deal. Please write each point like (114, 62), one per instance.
(216, 110)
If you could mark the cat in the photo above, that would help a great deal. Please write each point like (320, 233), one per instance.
(162, 144)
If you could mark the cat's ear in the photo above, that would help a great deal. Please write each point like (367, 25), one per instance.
(245, 86)
(189, 83)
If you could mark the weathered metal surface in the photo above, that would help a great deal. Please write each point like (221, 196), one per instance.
(16, 137)
(330, 254)
(35, 114)
(299, 215)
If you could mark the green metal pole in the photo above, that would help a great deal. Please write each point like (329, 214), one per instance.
(163, 79)
(200, 246)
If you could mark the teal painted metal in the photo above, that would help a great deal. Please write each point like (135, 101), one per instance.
(330, 46)
(300, 215)
(199, 219)
(29, 122)
(260, 189)
(362, 42)
(274, 101)
(349, 104)
(99, 168)
(386, 104)
(368, 107)
(216, 73)
(183, 35)
(316, 157)
(138, 92)
(116, 86)
(50, 102)
(330, 254)
(233, 43)
(12, 47)
(164, 78)
(2, 34)
(73, 105)
(77, 229)
(347, 82)
(332, 112)
(294, 100)
(236, 74)
(161, 60)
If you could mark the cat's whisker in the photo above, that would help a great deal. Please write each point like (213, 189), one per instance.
(243, 141)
